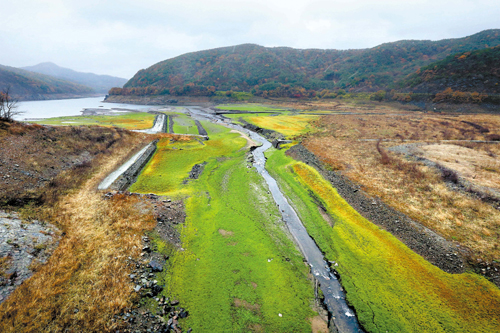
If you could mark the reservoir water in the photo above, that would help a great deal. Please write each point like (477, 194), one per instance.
(68, 107)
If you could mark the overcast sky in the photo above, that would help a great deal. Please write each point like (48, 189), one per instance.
(120, 37)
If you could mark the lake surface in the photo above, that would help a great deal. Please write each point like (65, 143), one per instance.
(68, 107)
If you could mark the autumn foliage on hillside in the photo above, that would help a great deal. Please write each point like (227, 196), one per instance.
(468, 72)
(448, 95)
(283, 71)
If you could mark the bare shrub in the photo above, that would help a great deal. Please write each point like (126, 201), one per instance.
(448, 174)
(8, 105)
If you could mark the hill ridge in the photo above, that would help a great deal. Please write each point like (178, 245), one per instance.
(98, 82)
(258, 69)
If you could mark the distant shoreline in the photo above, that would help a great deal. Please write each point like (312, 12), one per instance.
(47, 97)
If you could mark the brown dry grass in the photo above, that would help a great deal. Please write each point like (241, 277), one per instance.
(85, 281)
(474, 165)
(411, 187)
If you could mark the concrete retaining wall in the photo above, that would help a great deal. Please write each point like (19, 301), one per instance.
(129, 177)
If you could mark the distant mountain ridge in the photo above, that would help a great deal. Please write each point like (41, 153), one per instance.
(100, 83)
(258, 69)
(26, 85)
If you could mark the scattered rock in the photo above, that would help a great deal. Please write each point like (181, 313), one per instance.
(23, 245)
(156, 266)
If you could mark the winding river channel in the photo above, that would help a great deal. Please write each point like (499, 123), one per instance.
(334, 298)
(343, 316)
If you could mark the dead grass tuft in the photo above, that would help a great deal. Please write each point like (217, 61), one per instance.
(385, 159)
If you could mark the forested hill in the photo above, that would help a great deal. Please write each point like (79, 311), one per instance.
(26, 85)
(100, 83)
(250, 67)
(240, 67)
(477, 71)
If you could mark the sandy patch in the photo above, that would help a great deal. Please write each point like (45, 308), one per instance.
(250, 142)
(318, 325)
(225, 233)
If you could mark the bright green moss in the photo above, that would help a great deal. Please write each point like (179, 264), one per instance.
(238, 270)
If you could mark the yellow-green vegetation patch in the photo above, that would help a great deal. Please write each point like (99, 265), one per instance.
(246, 115)
(183, 124)
(170, 166)
(238, 271)
(248, 107)
(237, 118)
(128, 120)
(392, 288)
(289, 126)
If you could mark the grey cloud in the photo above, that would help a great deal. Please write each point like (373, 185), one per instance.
(121, 37)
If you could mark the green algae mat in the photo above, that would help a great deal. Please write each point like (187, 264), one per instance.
(238, 270)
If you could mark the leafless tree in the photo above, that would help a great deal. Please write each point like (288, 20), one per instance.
(8, 105)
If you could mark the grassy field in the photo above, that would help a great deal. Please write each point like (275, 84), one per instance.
(170, 166)
(286, 124)
(391, 288)
(128, 120)
(183, 124)
(239, 271)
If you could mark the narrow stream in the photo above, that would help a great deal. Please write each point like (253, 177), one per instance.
(344, 318)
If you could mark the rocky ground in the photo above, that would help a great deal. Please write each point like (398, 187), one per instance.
(32, 155)
(153, 310)
(23, 246)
